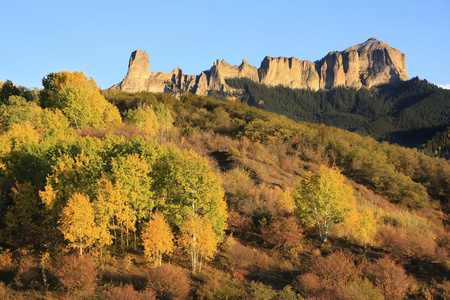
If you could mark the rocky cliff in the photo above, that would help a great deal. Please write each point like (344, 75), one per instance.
(368, 64)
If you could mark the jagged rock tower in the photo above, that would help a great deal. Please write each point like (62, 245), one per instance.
(368, 64)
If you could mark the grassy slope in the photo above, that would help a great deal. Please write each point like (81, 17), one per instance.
(259, 155)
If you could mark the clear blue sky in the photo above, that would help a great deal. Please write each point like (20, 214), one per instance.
(97, 37)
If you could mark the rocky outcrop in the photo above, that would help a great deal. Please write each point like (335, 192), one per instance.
(368, 64)
(288, 72)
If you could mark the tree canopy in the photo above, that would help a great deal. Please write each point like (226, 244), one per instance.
(80, 100)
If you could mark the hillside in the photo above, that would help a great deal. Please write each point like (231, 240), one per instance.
(242, 171)
(409, 114)
(439, 145)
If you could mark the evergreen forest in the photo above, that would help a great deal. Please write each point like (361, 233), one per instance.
(409, 115)
(115, 195)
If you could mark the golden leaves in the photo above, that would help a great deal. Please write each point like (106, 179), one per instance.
(78, 222)
(157, 238)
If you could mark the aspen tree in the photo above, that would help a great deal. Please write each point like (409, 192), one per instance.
(157, 238)
(200, 240)
(77, 222)
(323, 198)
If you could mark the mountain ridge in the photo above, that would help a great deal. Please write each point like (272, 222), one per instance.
(367, 64)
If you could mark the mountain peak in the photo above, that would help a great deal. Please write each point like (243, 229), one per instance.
(139, 65)
(367, 64)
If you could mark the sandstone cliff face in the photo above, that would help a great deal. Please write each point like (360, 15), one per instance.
(367, 64)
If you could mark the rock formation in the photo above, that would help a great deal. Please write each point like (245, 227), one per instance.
(368, 64)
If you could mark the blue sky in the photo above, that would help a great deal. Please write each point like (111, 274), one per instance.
(97, 37)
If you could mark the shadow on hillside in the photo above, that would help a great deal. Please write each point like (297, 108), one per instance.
(415, 137)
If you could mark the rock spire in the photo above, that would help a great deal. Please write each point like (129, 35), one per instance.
(367, 64)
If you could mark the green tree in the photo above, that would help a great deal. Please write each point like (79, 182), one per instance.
(79, 99)
(68, 176)
(145, 120)
(133, 172)
(190, 188)
(323, 198)
(18, 111)
(25, 207)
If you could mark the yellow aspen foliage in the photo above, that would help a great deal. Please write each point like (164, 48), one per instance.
(48, 195)
(80, 100)
(17, 136)
(77, 222)
(200, 191)
(199, 240)
(151, 125)
(111, 209)
(133, 171)
(323, 198)
(366, 229)
(145, 119)
(69, 176)
(165, 119)
(157, 238)
(53, 125)
(286, 202)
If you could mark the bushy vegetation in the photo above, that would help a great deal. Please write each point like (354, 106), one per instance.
(192, 197)
(409, 115)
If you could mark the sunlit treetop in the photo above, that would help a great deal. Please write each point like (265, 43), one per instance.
(79, 98)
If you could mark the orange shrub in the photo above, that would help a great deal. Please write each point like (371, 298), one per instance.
(336, 269)
(327, 276)
(284, 234)
(404, 245)
(8, 293)
(361, 289)
(238, 224)
(127, 292)
(390, 278)
(76, 273)
(238, 255)
(169, 282)
(27, 274)
(309, 284)
(443, 289)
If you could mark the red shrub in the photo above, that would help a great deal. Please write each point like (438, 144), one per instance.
(404, 245)
(27, 275)
(76, 273)
(169, 282)
(287, 165)
(238, 224)
(127, 292)
(308, 284)
(336, 269)
(5, 259)
(390, 278)
(284, 234)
